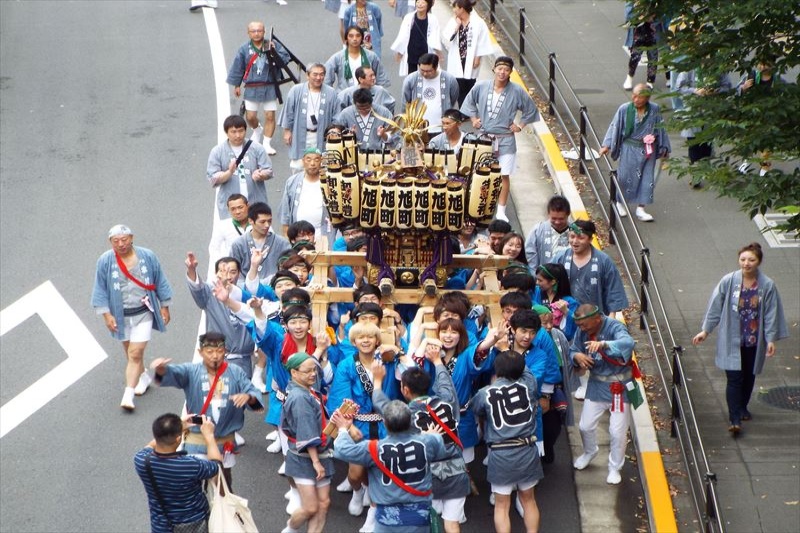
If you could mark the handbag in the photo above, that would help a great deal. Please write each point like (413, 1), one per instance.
(229, 512)
(199, 526)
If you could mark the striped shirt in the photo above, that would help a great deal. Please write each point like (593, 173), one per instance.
(179, 477)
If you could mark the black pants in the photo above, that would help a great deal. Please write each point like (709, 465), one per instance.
(740, 385)
(652, 60)
(698, 151)
(551, 429)
(465, 85)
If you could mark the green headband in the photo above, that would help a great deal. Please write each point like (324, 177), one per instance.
(294, 362)
(575, 228)
(542, 309)
(544, 269)
(595, 311)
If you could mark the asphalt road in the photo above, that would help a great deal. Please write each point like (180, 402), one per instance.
(108, 115)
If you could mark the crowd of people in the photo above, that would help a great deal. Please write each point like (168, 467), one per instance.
(401, 394)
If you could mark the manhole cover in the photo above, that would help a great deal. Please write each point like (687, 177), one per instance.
(783, 397)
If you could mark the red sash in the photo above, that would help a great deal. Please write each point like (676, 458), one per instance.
(450, 432)
(249, 66)
(121, 265)
(635, 372)
(220, 371)
(373, 451)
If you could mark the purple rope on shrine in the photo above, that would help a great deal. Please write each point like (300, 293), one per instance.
(442, 255)
(375, 255)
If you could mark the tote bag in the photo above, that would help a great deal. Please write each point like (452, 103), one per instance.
(229, 512)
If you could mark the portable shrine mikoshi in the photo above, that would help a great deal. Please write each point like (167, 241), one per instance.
(409, 202)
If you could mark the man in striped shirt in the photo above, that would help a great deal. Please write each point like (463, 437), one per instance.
(178, 496)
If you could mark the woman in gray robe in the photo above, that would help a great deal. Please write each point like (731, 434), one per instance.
(747, 308)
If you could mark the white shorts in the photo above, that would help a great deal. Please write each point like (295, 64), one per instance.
(508, 163)
(139, 328)
(451, 510)
(313, 482)
(269, 105)
(284, 442)
(508, 489)
(228, 459)
(468, 454)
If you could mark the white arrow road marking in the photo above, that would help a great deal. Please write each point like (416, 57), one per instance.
(83, 351)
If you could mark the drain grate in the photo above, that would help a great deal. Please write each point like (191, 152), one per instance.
(782, 397)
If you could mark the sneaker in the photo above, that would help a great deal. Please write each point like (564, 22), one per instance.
(518, 505)
(580, 393)
(369, 523)
(275, 447)
(272, 435)
(294, 502)
(127, 399)
(344, 486)
(643, 215)
(356, 505)
(288, 528)
(282, 469)
(268, 147)
(628, 84)
(650, 85)
(614, 477)
(258, 381)
(239, 439)
(622, 210)
(584, 460)
(144, 383)
(258, 135)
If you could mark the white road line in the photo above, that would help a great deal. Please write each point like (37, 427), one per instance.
(82, 349)
(218, 68)
(220, 74)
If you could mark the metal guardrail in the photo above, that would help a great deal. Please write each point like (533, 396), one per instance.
(512, 22)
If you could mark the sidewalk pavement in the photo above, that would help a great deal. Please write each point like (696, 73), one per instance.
(693, 242)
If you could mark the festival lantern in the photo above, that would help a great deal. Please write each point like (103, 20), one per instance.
(422, 203)
(349, 148)
(370, 197)
(455, 206)
(480, 185)
(405, 203)
(349, 193)
(438, 205)
(387, 211)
